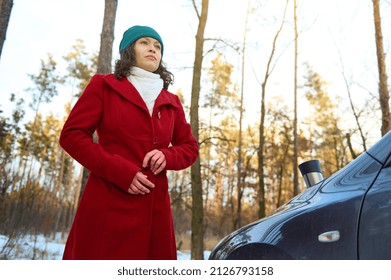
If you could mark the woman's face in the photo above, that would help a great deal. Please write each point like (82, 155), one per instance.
(148, 53)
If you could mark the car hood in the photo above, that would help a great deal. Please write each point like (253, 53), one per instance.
(260, 229)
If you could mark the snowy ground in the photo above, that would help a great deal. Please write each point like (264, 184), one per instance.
(41, 248)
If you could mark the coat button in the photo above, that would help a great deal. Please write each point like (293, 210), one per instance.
(158, 115)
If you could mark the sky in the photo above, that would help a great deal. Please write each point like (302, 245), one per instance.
(334, 35)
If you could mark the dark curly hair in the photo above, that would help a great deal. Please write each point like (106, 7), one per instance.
(128, 59)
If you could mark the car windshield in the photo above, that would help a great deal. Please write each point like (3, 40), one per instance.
(381, 150)
(359, 174)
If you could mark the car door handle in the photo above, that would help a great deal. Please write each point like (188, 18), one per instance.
(329, 236)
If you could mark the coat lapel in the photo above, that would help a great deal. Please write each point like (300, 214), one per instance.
(124, 88)
(130, 93)
(165, 98)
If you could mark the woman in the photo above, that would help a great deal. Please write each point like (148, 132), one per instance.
(125, 210)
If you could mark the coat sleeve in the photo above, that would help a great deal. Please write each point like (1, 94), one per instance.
(184, 149)
(77, 134)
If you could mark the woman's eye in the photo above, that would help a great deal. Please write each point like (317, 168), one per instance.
(158, 47)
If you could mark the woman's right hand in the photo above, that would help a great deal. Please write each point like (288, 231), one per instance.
(140, 184)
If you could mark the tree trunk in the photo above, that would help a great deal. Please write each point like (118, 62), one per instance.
(5, 14)
(295, 142)
(105, 57)
(107, 37)
(56, 191)
(384, 96)
(240, 143)
(261, 154)
(197, 224)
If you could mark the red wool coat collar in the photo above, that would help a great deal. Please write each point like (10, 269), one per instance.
(124, 87)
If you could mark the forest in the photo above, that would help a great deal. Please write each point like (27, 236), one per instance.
(247, 168)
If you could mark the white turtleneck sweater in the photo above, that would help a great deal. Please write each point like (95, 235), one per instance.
(148, 84)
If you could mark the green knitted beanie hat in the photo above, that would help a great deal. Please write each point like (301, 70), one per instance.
(136, 32)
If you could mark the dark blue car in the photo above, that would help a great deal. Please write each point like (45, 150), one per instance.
(345, 216)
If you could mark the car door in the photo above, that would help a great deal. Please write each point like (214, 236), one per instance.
(374, 235)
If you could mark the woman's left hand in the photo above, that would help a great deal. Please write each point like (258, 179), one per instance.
(156, 160)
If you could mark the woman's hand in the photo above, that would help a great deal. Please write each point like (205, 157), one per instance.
(156, 160)
(140, 184)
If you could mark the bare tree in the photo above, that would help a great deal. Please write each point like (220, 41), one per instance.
(295, 142)
(240, 143)
(107, 37)
(384, 96)
(197, 222)
(261, 155)
(105, 55)
(356, 116)
(5, 14)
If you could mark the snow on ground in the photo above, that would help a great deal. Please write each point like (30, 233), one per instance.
(40, 247)
(30, 247)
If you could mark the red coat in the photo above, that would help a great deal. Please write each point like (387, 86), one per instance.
(110, 223)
